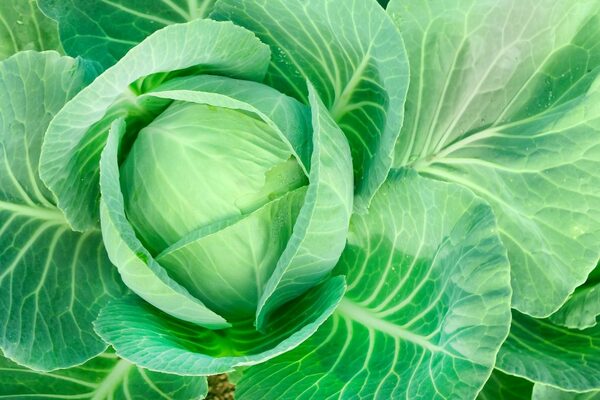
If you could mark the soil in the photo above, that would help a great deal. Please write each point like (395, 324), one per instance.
(219, 388)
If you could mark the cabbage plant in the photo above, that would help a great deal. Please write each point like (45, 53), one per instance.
(343, 199)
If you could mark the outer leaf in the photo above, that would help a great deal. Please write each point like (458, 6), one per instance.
(549, 354)
(102, 378)
(52, 280)
(69, 162)
(501, 386)
(24, 27)
(322, 226)
(105, 30)
(355, 58)
(544, 392)
(582, 310)
(504, 100)
(138, 269)
(155, 341)
(427, 307)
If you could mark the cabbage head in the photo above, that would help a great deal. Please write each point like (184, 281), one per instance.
(324, 199)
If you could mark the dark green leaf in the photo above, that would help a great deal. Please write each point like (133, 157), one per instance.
(102, 378)
(501, 386)
(104, 30)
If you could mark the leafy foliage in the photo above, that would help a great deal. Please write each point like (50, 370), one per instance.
(104, 377)
(354, 58)
(431, 336)
(512, 114)
(24, 27)
(503, 386)
(53, 281)
(105, 30)
(331, 199)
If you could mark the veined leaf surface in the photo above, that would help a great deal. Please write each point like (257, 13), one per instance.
(24, 27)
(106, 377)
(105, 30)
(545, 392)
(352, 54)
(553, 355)
(503, 100)
(69, 163)
(53, 281)
(426, 310)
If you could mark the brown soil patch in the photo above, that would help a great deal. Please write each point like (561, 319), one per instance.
(219, 388)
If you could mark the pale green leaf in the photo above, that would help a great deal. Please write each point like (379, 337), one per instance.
(315, 246)
(24, 27)
(228, 163)
(353, 55)
(290, 118)
(239, 172)
(153, 340)
(138, 269)
(104, 30)
(427, 307)
(52, 281)
(550, 354)
(201, 253)
(71, 151)
(504, 100)
(228, 266)
(321, 228)
(105, 377)
(545, 392)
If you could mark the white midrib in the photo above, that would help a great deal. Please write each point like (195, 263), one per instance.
(38, 212)
(439, 154)
(365, 317)
(423, 162)
(138, 14)
(112, 380)
(339, 106)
